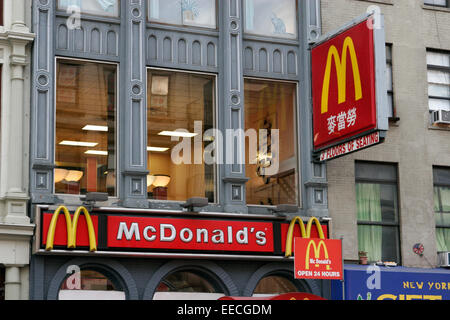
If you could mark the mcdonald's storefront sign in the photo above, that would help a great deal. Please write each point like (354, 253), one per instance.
(344, 86)
(116, 233)
(318, 259)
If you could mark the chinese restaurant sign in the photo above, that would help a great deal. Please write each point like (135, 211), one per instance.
(130, 233)
(345, 81)
(318, 259)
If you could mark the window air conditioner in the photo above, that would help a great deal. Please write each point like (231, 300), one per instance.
(441, 116)
(444, 259)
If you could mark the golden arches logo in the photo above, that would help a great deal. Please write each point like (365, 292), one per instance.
(341, 72)
(72, 226)
(305, 232)
(317, 250)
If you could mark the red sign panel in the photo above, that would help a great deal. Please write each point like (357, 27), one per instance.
(189, 234)
(343, 84)
(82, 234)
(318, 259)
(351, 146)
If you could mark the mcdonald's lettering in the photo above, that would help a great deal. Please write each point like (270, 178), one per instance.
(343, 83)
(72, 228)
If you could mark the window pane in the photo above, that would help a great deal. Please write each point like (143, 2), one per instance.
(271, 18)
(90, 285)
(85, 127)
(271, 163)
(187, 286)
(438, 59)
(184, 12)
(441, 91)
(376, 202)
(274, 285)
(436, 2)
(443, 239)
(380, 243)
(445, 198)
(94, 7)
(439, 104)
(180, 101)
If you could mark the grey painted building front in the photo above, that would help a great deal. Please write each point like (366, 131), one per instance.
(133, 44)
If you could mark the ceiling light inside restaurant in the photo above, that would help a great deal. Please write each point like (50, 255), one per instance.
(95, 128)
(161, 181)
(180, 134)
(78, 144)
(97, 152)
(157, 149)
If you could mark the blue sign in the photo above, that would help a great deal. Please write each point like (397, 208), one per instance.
(392, 283)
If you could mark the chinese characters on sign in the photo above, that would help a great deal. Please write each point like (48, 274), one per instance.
(342, 121)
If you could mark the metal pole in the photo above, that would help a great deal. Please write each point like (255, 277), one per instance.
(343, 271)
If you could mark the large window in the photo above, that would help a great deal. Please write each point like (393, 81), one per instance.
(180, 111)
(85, 155)
(198, 13)
(442, 207)
(91, 285)
(271, 18)
(438, 80)
(186, 285)
(271, 164)
(377, 209)
(109, 8)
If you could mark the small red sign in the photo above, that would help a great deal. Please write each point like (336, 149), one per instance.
(318, 259)
(189, 234)
(351, 146)
(343, 84)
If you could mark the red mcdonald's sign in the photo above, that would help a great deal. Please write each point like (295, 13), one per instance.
(345, 83)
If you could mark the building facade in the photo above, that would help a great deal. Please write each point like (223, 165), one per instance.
(16, 230)
(131, 100)
(127, 94)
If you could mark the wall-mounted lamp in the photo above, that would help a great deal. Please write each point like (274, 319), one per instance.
(161, 182)
(68, 175)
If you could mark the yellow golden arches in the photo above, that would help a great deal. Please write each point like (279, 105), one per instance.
(341, 72)
(305, 232)
(316, 252)
(72, 226)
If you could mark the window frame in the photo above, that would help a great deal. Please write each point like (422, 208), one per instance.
(431, 67)
(117, 122)
(185, 26)
(391, 95)
(391, 182)
(297, 133)
(274, 38)
(215, 110)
